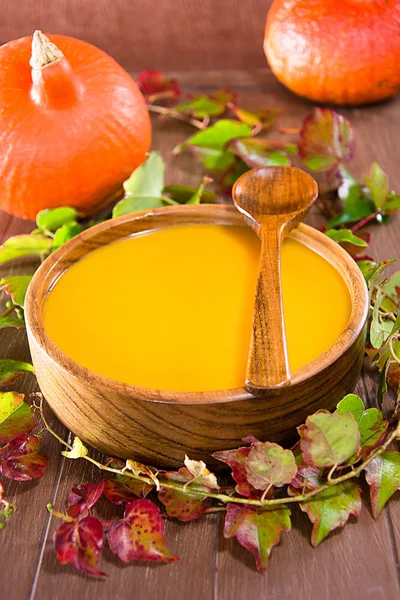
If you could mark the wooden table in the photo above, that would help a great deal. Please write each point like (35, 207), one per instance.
(360, 562)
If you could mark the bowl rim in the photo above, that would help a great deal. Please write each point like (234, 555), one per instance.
(306, 234)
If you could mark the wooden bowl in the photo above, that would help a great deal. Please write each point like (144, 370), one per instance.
(160, 427)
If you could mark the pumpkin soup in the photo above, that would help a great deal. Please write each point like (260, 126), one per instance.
(172, 309)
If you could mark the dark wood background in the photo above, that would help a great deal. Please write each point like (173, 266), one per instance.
(223, 39)
(151, 34)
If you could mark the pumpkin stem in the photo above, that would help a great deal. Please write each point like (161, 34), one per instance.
(44, 52)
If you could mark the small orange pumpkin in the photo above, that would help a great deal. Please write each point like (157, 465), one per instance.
(73, 125)
(335, 51)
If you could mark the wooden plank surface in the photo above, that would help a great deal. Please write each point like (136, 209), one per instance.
(211, 34)
(362, 561)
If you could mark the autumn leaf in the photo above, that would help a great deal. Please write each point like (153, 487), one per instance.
(201, 107)
(143, 189)
(236, 459)
(269, 465)
(82, 497)
(306, 479)
(24, 245)
(256, 530)
(326, 140)
(140, 534)
(15, 416)
(138, 469)
(79, 543)
(371, 423)
(183, 506)
(332, 508)
(155, 86)
(200, 473)
(78, 450)
(16, 286)
(51, 219)
(123, 490)
(21, 459)
(329, 439)
(259, 119)
(224, 95)
(257, 152)
(383, 477)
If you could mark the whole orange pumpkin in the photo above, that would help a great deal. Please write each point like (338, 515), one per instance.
(73, 125)
(335, 51)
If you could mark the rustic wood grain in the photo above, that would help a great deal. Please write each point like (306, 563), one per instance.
(359, 562)
(273, 200)
(140, 35)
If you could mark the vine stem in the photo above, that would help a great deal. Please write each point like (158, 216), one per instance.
(7, 311)
(170, 112)
(365, 221)
(225, 499)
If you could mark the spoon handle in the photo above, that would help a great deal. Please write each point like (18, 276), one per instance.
(268, 365)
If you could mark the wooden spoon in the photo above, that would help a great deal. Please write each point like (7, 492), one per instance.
(273, 200)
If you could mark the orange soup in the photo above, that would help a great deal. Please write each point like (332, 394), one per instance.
(172, 309)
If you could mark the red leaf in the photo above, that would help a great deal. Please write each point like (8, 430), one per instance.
(83, 497)
(224, 95)
(21, 459)
(307, 479)
(122, 489)
(236, 459)
(79, 543)
(257, 531)
(182, 506)
(326, 140)
(1, 492)
(140, 534)
(156, 86)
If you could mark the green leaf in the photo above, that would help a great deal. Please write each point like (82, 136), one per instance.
(15, 416)
(383, 477)
(64, 233)
(213, 159)
(200, 107)
(256, 152)
(218, 135)
(326, 140)
(198, 194)
(257, 531)
(78, 450)
(370, 421)
(345, 235)
(392, 203)
(259, 119)
(382, 382)
(332, 508)
(380, 329)
(183, 193)
(16, 286)
(148, 178)
(329, 439)
(143, 189)
(10, 321)
(51, 219)
(269, 465)
(377, 182)
(10, 370)
(373, 272)
(24, 245)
